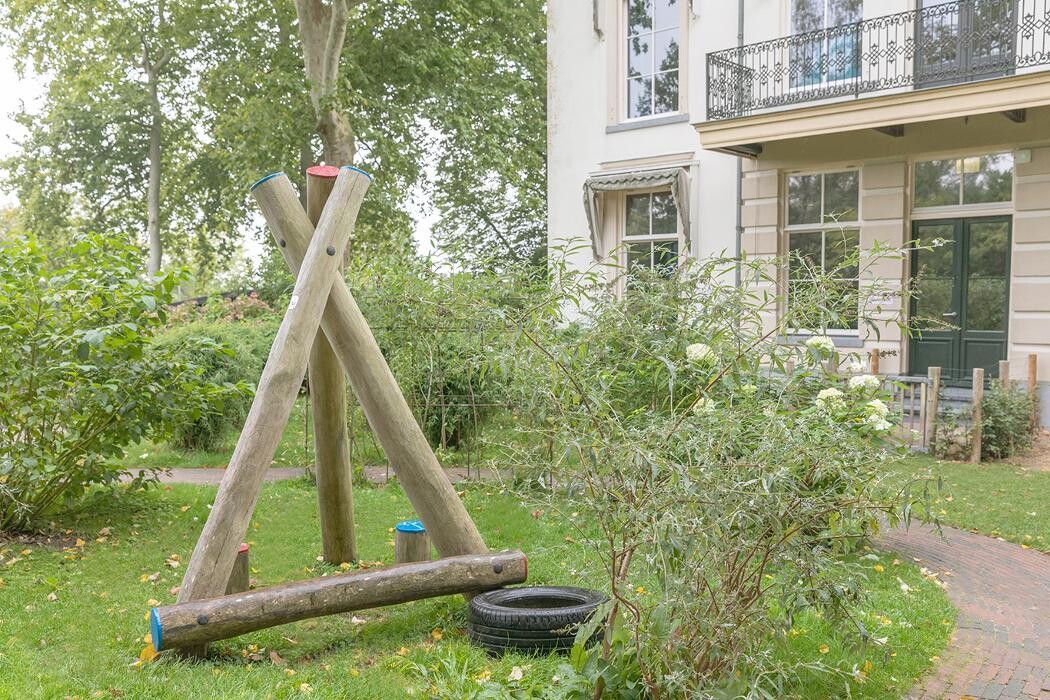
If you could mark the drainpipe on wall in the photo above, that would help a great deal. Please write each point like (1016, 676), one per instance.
(739, 161)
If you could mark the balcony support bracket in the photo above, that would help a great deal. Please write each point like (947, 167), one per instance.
(896, 130)
(1018, 116)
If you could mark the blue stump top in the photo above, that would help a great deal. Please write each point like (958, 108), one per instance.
(410, 526)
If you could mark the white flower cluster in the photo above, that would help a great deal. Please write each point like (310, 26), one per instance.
(821, 343)
(829, 398)
(699, 353)
(865, 382)
(877, 415)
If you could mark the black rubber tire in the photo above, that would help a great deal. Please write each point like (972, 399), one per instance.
(537, 608)
(521, 642)
(504, 633)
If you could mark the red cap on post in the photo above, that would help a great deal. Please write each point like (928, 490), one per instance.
(325, 171)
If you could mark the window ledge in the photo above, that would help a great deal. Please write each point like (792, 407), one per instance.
(841, 341)
(646, 123)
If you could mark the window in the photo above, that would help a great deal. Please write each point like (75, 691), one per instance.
(823, 209)
(831, 56)
(651, 232)
(955, 181)
(653, 40)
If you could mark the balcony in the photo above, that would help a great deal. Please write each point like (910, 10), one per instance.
(955, 49)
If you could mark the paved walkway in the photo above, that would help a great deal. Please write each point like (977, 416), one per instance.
(1001, 646)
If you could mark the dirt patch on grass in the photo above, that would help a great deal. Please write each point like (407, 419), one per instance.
(1038, 457)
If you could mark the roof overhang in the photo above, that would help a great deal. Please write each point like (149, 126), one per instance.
(744, 136)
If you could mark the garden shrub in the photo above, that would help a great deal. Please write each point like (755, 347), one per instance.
(236, 363)
(721, 472)
(1006, 421)
(79, 376)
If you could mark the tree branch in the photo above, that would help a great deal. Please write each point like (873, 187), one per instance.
(334, 46)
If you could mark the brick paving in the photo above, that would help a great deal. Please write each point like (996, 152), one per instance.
(1001, 646)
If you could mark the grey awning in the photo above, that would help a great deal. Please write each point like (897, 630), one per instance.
(675, 179)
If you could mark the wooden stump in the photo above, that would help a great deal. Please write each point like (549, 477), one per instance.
(240, 578)
(411, 542)
(1004, 374)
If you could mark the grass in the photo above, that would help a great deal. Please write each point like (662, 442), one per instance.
(1000, 500)
(83, 643)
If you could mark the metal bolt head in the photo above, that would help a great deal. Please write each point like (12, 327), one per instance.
(202, 619)
(330, 250)
(498, 568)
(283, 243)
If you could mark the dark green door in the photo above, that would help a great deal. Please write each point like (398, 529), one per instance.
(965, 283)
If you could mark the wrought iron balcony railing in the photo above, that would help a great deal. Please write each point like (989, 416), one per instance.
(943, 44)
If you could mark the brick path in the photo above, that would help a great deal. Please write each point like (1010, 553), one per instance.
(1001, 646)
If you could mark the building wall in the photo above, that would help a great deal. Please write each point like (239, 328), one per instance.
(885, 165)
(583, 138)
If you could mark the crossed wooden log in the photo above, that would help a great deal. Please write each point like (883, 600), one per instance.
(324, 327)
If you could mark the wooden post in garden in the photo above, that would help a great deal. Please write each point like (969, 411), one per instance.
(240, 577)
(875, 357)
(213, 557)
(425, 483)
(411, 542)
(934, 406)
(328, 400)
(978, 399)
(1004, 374)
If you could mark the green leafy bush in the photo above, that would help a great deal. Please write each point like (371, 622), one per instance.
(721, 472)
(79, 375)
(1006, 421)
(234, 361)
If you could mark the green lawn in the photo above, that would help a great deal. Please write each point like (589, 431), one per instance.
(1001, 500)
(83, 642)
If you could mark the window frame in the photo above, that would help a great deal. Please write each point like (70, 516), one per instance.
(623, 240)
(823, 227)
(825, 46)
(616, 30)
(940, 210)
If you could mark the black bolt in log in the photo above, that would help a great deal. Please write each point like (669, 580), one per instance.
(197, 622)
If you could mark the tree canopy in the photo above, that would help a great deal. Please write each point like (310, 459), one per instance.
(442, 95)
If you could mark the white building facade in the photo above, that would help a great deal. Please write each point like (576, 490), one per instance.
(805, 127)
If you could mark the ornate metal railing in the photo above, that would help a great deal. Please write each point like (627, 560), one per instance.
(950, 43)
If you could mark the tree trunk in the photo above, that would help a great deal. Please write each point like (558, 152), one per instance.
(322, 29)
(153, 189)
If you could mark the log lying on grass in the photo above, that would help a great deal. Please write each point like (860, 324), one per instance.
(197, 622)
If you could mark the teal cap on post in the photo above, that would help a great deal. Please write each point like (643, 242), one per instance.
(156, 633)
(261, 180)
(410, 525)
(359, 170)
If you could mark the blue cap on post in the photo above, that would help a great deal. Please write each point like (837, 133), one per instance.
(155, 632)
(261, 180)
(410, 526)
(359, 170)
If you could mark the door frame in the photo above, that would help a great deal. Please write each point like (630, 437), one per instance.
(960, 297)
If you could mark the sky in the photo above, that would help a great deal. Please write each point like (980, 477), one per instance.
(15, 91)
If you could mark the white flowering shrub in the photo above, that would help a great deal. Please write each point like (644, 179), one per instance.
(723, 470)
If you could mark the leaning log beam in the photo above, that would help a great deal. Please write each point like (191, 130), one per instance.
(425, 483)
(209, 568)
(201, 621)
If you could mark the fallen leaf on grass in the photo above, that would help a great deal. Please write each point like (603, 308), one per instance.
(436, 635)
(824, 649)
(276, 659)
(52, 596)
(147, 655)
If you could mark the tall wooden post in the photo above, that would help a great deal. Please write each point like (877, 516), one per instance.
(875, 357)
(210, 566)
(1004, 374)
(328, 400)
(978, 399)
(425, 483)
(934, 407)
(1033, 387)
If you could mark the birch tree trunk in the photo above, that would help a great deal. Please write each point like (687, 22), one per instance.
(156, 249)
(322, 28)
